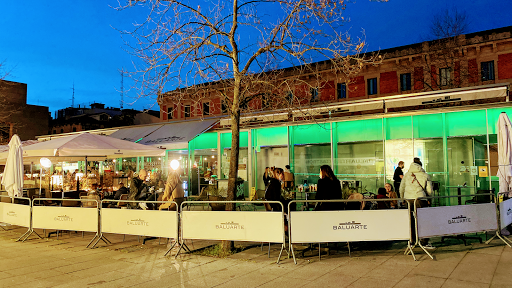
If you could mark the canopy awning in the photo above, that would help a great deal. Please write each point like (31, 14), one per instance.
(88, 145)
(177, 135)
(135, 133)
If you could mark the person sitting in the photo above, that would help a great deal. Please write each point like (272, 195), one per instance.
(122, 190)
(390, 193)
(137, 189)
(328, 188)
(173, 190)
(94, 190)
(381, 194)
(273, 192)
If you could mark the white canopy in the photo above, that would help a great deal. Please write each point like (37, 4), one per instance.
(133, 134)
(13, 173)
(177, 135)
(89, 145)
(505, 152)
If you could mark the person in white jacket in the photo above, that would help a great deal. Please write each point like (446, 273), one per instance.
(415, 184)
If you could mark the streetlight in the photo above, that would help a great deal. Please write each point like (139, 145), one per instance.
(46, 163)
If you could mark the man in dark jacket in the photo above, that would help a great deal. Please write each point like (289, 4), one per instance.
(397, 177)
(122, 190)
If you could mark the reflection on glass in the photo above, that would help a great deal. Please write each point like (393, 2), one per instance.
(361, 161)
(307, 162)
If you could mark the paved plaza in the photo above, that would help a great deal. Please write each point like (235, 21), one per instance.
(67, 263)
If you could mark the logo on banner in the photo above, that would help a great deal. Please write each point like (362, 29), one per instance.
(230, 226)
(166, 139)
(64, 218)
(350, 226)
(11, 214)
(459, 219)
(137, 222)
(509, 211)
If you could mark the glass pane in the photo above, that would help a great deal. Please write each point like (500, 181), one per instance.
(205, 141)
(430, 152)
(204, 170)
(269, 157)
(460, 160)
(363, 162)
(466, 123)
(310, 134)
(428, 126)
(396, 151)
(398, 128)
(242, 163)
(362, 130)
(271, 136)
(307, 162)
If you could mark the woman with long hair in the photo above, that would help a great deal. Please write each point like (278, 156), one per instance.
(328, 188)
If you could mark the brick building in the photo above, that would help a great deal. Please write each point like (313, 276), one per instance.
(25, 119)
(465, 61)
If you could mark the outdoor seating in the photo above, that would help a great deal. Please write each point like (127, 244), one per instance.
(90, 204)
(123, 197)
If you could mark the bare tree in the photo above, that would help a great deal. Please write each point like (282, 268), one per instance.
(443, 63)
(248, 54)
(449, 23)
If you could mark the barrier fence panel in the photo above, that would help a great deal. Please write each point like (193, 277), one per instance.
(254, 226)
(66, 218)
(454, 220)
(505, 212)
(152, 223)
(17, 214)
(348, 225)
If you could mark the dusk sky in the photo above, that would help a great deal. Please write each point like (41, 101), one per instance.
(50, 45)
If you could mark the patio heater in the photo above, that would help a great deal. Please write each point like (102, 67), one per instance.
(46, 163)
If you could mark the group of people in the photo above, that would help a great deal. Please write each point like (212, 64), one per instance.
(411, 185)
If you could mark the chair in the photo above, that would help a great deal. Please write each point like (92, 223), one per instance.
(90, 204)
(355, 205)
(123, 197)
(70, 203)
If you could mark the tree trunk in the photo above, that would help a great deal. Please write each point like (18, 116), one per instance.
(233, 164)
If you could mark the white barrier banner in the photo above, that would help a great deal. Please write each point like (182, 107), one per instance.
(65, 218)
(505, 213)
(139, 222)
(338, 226)
(233, 225)
(450, 220)
(15, 214)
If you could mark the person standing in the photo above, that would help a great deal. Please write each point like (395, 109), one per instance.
(329, 188)
(397, 177)
(173, 191)
(289, 178)
(267, 176)
(416, 184)
(273, 192)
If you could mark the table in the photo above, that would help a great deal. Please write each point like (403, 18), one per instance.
(306, 205)
(459, 191)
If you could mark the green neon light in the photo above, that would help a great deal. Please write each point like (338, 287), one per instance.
(139, 140)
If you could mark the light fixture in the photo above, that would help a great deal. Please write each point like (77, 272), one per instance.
(213, 156)
(205, 158)
(45, 162)
(175, 164)
(114, 160)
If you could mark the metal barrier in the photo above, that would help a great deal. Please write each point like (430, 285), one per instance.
(453, 220)
(254, 226)
(505, 217)
(348, 225)
(67, 218)
(17, 214)
(152, 223)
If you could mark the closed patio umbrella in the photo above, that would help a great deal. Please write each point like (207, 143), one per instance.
(13, 173)
(505, 153)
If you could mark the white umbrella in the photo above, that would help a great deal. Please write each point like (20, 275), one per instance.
(505, 152)
(86, 144)
(13, 173)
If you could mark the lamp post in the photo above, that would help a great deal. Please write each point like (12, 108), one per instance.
(46, 163)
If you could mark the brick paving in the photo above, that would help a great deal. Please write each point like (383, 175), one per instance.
(67, 263)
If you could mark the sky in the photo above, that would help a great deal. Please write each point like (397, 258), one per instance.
(55, 45)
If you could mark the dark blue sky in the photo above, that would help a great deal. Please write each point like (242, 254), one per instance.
(51, 44)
